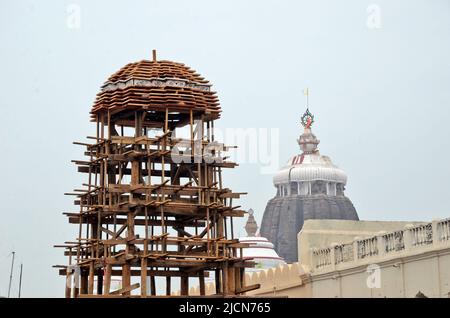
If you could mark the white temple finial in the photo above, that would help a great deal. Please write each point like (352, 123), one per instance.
(251, 226)
(308, 141)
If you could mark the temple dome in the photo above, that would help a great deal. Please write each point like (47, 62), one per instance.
(309, 167)
(309, 186)
(156, 85)
(260, 249)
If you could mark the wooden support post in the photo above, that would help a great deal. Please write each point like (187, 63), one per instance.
(76, 292)
(108, 270)
(184, 291)
(100, 283)
(218, 281)
(168, 286)
(201, 278)
(220, 226)
(237, 279)
(68, 284)
(231, 280)
(208, 237)
(225, 278)
(143, 277)
(242, 277)
(152, 285)
(126, 277)
(84, 282)
(135, 175)
(91, 278)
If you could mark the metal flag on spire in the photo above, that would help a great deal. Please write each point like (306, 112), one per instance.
(306, 93)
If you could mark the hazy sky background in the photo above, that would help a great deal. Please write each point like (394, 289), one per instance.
(380, 96)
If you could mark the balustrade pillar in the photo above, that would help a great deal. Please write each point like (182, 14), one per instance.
(408, 237)
(435, 232)
(355, 249)
(333, 255)
(381, 243)
(313, 261)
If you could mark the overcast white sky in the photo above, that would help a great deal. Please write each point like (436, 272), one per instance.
(380, 96)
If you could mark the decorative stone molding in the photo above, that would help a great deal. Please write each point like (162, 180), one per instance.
(154, 82)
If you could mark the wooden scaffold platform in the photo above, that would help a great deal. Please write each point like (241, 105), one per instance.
(154, 204)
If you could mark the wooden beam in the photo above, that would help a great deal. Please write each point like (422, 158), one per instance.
(125, 290)
(247, 288)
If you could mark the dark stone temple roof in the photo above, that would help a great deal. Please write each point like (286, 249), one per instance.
(284, 216)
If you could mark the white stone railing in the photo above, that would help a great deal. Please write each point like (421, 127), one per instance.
(367, 247)
(412, 237)
(343, 253)
(393, 242)
(443, 230)
(322, 257)
(422, 235)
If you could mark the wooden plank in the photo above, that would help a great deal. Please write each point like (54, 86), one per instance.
(248, 288)
(75, 219)
(125, 290)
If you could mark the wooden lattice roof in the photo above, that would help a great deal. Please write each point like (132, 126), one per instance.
(156, 85)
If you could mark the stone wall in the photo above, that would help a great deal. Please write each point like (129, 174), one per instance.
(284, 217)
(399, 263)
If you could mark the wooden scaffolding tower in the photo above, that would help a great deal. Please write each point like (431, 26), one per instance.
(154, 204)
